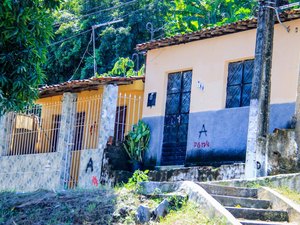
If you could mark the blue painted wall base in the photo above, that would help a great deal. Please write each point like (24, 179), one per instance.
(216, 137)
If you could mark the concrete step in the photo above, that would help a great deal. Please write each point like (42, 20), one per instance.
(242, 202)
(258, 222)
(229, 191)
(259, 214)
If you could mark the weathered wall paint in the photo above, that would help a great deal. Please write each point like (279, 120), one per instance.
(224, 138)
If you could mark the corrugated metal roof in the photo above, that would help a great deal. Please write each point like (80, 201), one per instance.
(238, 26)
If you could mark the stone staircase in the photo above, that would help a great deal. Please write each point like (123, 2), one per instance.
(243, 203)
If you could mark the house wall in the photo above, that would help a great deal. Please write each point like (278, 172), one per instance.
(209, 59)
(89, 102)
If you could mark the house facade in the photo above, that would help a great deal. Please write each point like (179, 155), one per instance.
(59, 142)
(198, 87)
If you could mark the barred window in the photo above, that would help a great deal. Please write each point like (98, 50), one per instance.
(239, 83)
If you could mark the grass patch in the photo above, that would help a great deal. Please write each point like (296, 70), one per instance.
(189, 214)
(284, 190)
(290, 194)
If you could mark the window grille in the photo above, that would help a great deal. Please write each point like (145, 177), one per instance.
(239, 83)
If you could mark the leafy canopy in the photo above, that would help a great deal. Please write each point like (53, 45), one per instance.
(25, 31)
(124, 67)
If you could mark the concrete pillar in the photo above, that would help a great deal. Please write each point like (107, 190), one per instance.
(260, 94)
(66, 134)
(3, 134)
(107, 118)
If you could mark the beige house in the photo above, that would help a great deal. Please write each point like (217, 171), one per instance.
(198, 86)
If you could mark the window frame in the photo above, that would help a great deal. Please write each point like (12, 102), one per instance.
(242, 84)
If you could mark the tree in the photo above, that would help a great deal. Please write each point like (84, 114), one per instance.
(192, 15)
(112, 42)
(25, 32)
(124, 67)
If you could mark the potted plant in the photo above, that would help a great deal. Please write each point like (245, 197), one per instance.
(136, 143)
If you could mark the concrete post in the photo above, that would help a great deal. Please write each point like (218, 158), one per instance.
(66, 134)
(260, 95)
(3, 135)
(107, 118)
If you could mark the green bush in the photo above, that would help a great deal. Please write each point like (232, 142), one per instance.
(137, 177)
(137, 141)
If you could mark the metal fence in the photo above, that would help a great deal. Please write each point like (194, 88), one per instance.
(87, 122)
(34, 131)
(86, 134)
(129, 111)
(37, 129)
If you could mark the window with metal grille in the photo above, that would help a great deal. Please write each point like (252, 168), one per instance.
(239, 83)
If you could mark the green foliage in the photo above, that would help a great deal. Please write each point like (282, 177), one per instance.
(124, 67)
(25, 31)
(191, 15)
(137, 177)
(190, 213)
(137, 141)
(118, 41)
(112, 42)
(291, 194)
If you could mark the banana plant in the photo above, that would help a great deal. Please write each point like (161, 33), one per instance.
(137, 141)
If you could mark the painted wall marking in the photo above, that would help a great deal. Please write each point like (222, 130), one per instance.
(203, 130)
(202, 144)
(89, 165)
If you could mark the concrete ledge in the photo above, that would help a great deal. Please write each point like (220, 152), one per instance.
(210, 206)
(282, 203)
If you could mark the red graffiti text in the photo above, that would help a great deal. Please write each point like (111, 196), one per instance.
(201, 144)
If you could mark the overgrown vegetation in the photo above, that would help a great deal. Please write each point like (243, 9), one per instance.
(292, 195)
(137, 177)
(68, 207)
(189, 214)
(97, 206)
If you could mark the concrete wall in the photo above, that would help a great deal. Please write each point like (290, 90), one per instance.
(30, 172)
(87, 174)
(209, 59)
(282, 152)
(226, 137)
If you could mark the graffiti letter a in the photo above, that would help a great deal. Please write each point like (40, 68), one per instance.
(203, 130)
(89, 166)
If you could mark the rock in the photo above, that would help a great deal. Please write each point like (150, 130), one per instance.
(143, 214)
(161, 210)
(124, 211)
